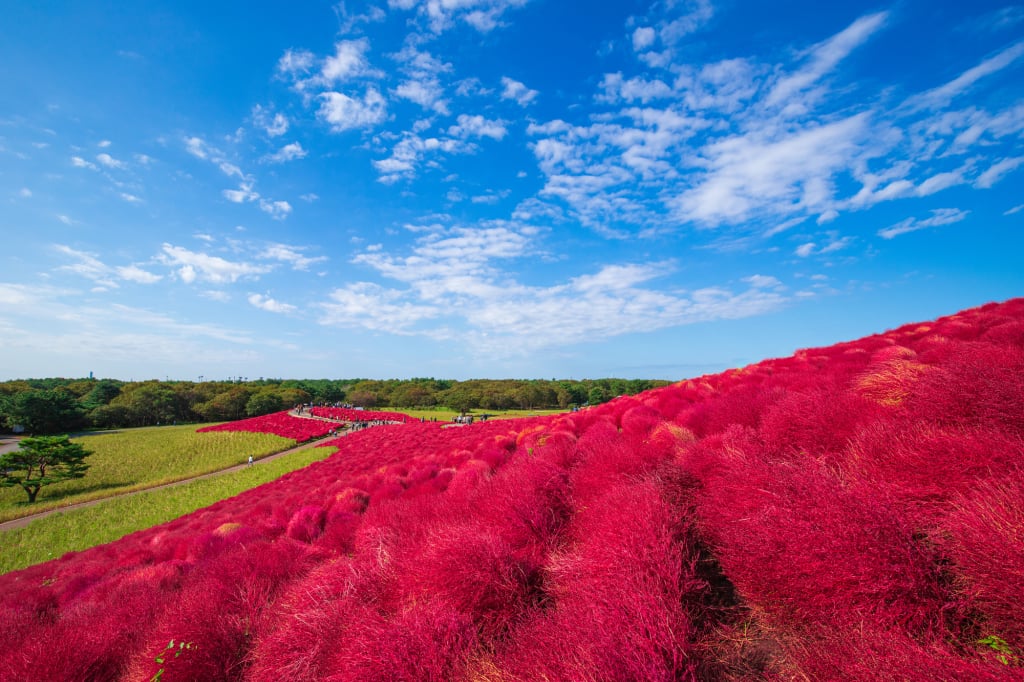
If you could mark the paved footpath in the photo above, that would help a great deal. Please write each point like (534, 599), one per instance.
(25, 520)
(8, 444)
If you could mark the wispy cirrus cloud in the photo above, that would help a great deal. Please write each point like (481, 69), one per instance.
(940, 216)
(104, 277)
(482, 15)
(742, 146)
(452, 279)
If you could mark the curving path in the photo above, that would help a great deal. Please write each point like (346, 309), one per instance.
(25, 520)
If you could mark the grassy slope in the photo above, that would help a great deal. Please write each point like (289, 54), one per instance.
(79, 529)
(142, 458)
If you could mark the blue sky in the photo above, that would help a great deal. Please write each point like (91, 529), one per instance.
(497, 188)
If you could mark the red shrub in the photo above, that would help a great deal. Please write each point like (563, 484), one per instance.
(614, 597)
(429, 641)
(985, 538)
(306, 524)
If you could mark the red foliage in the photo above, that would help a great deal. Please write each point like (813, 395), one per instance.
(282, 424)
(346, 414)
(852, 512)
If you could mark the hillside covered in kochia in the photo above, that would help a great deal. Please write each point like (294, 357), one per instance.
(853, 512)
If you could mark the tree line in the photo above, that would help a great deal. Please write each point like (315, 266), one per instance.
(59, 405)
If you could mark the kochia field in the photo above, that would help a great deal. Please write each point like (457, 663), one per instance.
(853, 512)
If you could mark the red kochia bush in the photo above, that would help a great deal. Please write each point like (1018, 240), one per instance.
(848, 513)
(280, 424)
(614, 597)
(811, 550)
(346, 414)
(986, 541)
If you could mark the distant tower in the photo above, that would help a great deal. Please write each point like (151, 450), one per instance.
(90, 375)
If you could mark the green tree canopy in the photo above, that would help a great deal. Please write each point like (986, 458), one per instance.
(41, 461)
(264, 402)
(45, 411)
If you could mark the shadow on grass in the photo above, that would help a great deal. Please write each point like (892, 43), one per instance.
(57, 496)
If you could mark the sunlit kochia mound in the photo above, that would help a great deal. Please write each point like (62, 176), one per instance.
(849, 513)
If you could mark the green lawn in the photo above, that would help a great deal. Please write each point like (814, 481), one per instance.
(78, 529)
(134, 459)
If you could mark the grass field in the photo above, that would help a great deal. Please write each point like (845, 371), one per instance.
(75, 530)
(142, 458)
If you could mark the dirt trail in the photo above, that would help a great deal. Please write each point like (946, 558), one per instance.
(25, 520)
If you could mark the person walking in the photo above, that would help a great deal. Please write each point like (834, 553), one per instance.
(250, 460)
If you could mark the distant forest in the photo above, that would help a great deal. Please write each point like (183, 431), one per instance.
(61, 405)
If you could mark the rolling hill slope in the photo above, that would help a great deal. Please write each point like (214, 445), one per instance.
(853, 512)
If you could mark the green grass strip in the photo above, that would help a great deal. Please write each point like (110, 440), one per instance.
(78, 529)
(135, 459)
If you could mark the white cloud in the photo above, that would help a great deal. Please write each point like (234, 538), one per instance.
(278, 210)
(134, 273)
(943, 94)
(295, 62)
(241, 195)
(805, 250)
(289, 152)
(440, 15)
(367, 305)
(79, 162)
(478, 126)
(216, 295)
(110, 162)
(273, 125)
(451, 278)
(348, 62)
(22, 296)
(617, 89)
(763, 282)
(25, 193)
(833, 244)
(938, 182)
(130, 198)
(674, 30)
(196, 147)
(103, 144)
(89, 265)
(747, 174)
(1016, 209)
(290, 254)
(408, 152)
(269, 304)
(824, 57)
(996, 172)
(427, 93)
(514, 90)
(643, 37)
(192, 266)
(940, 216)
(343, 113)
